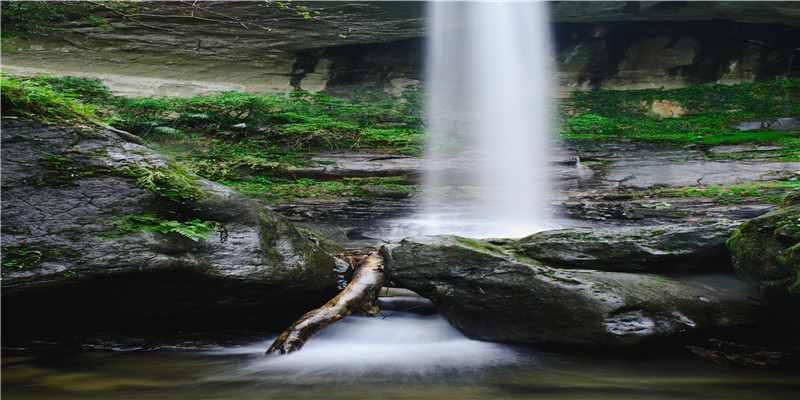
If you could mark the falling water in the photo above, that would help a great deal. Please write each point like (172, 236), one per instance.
(488, 86)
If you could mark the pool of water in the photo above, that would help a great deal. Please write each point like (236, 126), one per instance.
(400, 357)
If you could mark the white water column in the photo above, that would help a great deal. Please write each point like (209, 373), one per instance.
(488, 85)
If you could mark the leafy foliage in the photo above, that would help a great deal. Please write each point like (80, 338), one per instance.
(150, 222)
(38, 100)
(18, 257)
(24, 17)
(27, 257)
(173, 183)
(299, 121)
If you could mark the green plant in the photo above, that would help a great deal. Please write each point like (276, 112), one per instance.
(62, 170)
(593, 124)
(88, 90)
(712, 113)
(36, 100)
(18, 257)
(149, 222)
(24, 17)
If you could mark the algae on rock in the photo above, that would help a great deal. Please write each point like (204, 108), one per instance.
(66, 189)
(766, 251)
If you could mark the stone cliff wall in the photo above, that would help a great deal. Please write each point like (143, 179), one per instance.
(616, 45)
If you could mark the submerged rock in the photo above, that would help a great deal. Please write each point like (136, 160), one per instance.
(98, 225)
(662, 248)
(766, 252)
(490, 292)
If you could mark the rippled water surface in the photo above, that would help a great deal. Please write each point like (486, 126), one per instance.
(400, 357)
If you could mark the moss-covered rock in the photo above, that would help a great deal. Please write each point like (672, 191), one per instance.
(660, 248)
(490, 293)
(766, 252)
(99, 227)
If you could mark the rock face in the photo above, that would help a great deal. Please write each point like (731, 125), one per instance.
(663, 248)
(92, 224)
(613, 45)
(766, 251)
(491, 293)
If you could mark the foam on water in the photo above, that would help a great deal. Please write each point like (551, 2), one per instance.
(405, 344)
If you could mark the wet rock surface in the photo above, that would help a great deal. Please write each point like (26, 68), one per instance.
(661, 248)
(490, 293)
(766, 252)
(66, 257)
(597, 183)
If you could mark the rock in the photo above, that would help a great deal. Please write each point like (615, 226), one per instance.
(384, 192)
(490, 293)
(84, 237)
(770, 124)
(766, 251)
(611, 45)
(667, 109)
(661, 248)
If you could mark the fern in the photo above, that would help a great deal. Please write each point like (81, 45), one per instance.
(149, 222)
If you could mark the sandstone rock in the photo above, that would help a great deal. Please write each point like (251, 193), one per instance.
(766, 251)
(667, 109)
(611, 45)
(490, 293)
(67, 195)
(661, 248)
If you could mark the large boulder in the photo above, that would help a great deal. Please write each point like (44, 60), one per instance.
(493, 293)
(662, 248)
(766, 252)
(99, 227)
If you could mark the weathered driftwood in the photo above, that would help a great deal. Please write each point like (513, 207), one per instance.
(359, 296)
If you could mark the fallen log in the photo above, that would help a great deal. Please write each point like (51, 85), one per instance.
(359, 296)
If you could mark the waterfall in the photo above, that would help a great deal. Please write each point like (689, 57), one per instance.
(488, 87)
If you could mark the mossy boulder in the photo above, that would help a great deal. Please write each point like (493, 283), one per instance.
(99, 228)
(766, 252)
(662, 248)
(493, 293)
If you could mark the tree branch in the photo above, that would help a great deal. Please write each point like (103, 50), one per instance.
(214, 12)
(359, 296)
(137, 21)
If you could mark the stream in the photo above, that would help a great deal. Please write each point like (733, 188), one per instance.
(403, 356)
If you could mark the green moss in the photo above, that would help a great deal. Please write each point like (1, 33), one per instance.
(768, 191)
(62, 170)
(268, 239)
(326, 244)
(28, 257)
(299, 121)
(65, 169)
(480, 245)
(768, 247)
(712, 112)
